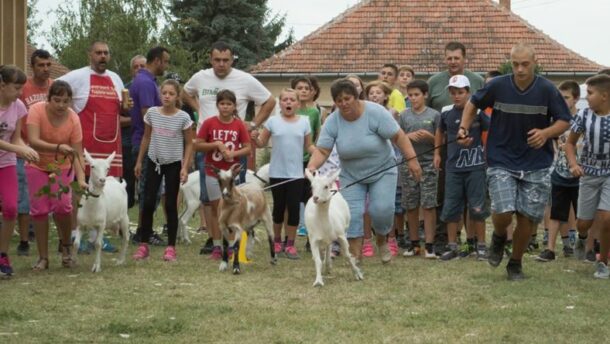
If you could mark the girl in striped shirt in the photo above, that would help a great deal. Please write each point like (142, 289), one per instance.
(168, 139)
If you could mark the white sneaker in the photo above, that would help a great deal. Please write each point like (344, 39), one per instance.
(385, 253)
(601, 270)
(429, 254)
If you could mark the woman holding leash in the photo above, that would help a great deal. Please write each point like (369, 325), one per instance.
(363, 133)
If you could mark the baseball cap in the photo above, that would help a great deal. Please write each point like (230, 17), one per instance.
(458, 81)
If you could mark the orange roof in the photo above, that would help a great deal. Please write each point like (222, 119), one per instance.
(57, 69)
(415, 32)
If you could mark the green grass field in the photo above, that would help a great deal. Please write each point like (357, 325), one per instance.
(408, 301)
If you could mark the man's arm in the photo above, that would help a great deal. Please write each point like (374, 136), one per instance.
(264, 111)
(191, 101)
(468, 116)
(538, 137)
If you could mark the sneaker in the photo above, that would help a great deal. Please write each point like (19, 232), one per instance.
(156, 240)
(393, 246)
(85, 247)
(142, 252)
(496, 250)
(367, 249)
(572, 235)
(449, 255)
(23, 249)
(108, 247)
(170, 254)
(533, 245)
(302, 231)
(335, 249)
(568, 251)
(385, 253)
(514, 271)
(207, 247)
(291, 252)
(482, 253)
(545, 238)
(429, 254)
(601, 270)
(579, 249)
(466, 252)
(216, 253)
(278, 248)
(403, 242)
(590, 257)
(5, 267)
(546, 256)
(412, 251)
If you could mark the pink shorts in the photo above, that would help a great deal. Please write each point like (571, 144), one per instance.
(9, 192)
(41, 206)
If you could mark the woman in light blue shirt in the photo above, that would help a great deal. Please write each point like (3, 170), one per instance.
(363, 133)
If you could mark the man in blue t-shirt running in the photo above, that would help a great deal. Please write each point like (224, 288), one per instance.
(528, 110)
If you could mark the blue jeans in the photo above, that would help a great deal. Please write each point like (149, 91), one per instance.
(380, 207)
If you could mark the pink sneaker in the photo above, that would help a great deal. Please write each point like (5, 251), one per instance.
(141, 253)
(291, 252)
(170, 254)
(277, 247)
(367, 249)
(393, 246)
(216, 253)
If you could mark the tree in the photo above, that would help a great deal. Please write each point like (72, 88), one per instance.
(247, 25)
(130, 27)
(33, 21)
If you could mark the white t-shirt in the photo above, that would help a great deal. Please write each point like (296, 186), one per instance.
(205, 85)
(79, 80)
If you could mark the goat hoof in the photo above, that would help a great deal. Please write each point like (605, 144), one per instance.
(222, 267)
(96, 268)
(273, 261)
(318, 283)
(236, 271)
(359, 276)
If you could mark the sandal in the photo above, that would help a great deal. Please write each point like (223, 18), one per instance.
(41, 264)
(66, 259)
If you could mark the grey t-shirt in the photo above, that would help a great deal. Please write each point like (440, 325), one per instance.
(287, 151)
(429, 120)
(364, 144)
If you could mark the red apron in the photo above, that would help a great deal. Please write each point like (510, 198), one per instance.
(100, 123)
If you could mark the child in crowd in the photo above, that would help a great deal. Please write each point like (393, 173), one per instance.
(420, 123)
(564, 186)
(593, 167)
(405, 76)
(291, 137)
(224, 139)
(464, 172)
(54, 130)
(396, 100)
(12, 110)
(379, 92)
(307, 108)
(166, 127)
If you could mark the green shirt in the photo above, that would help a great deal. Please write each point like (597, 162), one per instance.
(438, 95)
(314, 122)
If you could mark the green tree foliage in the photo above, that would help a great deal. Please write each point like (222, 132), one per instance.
(130, 27)
(33, 20)
(247, 25)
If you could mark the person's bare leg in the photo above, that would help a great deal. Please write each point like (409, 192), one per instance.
(501, 224)
(5, 234)
(64, 228)
(413, 224)
(41, 231)
(23, 221)
(604, 235)
(521, 236)
(553, 227)
(429, 224)
(355, 248)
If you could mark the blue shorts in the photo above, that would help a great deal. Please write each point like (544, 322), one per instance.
(23, 200)
(203, 191)
(525, 192)
(463, 188)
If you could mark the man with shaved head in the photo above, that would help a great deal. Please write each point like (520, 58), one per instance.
(528, 110)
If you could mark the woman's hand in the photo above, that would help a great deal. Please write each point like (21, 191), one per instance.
(27, 153)
(414, 169)
(82, 184)
(184, 176)
(577, 171)
(137, 170)
(437, 162)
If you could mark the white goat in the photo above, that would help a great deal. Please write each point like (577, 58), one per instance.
(191, 192)
(105, 207)
(327, 217)
(242, 207)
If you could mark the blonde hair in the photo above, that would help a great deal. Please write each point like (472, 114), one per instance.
(406, 68)
(176, 85)
(287, 90)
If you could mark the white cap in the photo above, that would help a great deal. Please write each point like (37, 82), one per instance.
(458, 81)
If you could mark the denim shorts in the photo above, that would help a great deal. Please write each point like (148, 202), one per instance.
(23, 205)
(465, 188)
(593, 195)
(526, 192)
(423, 193)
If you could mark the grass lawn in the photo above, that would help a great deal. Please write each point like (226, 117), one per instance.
(408, 301)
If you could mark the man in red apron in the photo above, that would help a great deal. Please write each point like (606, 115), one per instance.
(97, 100)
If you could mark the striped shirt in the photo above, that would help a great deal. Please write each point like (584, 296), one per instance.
(595, 157)
(167, 140)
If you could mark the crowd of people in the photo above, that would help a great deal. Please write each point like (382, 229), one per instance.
(449, 153)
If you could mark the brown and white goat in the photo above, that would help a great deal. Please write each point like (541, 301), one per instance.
(242, 207)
